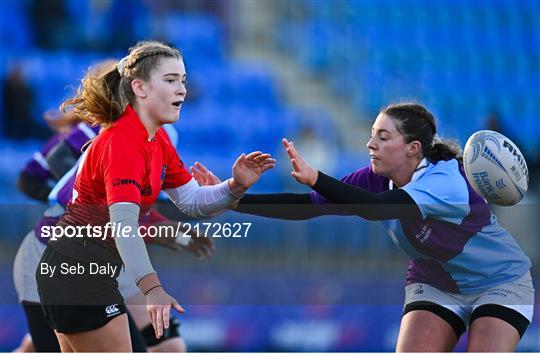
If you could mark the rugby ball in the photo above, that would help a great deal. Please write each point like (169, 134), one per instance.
(495, 168)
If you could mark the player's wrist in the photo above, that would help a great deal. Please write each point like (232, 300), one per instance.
(148, 282)
(314, 178)
(236, 189)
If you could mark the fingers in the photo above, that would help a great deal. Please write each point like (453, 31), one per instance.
(207, 252)
(152, 315)
(289, 147)
(296, 165)
(158, 328)
(177, 306)
(285, 143)
(240, 159)
(210, 243)
(293, 148)
(253, 155)
(204, 252)
(166, 311)
(201, 254)
(201, 167)
(268, 167)
(199, 177)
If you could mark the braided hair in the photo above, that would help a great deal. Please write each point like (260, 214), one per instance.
(102, 99)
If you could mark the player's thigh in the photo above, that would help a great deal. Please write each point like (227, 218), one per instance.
(489, 334)
(65, 346)
(112, 337)
(424, 331)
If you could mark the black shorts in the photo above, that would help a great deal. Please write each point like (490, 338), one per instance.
(80, 295)
(45, 340)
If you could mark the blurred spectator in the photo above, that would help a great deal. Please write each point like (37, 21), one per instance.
(317, 153)
(493, 122)
(51, 23)
(18, 103)
(122, 20)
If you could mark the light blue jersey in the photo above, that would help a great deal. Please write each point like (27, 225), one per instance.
(457, 246)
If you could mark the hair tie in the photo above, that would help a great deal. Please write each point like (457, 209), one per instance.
(121, 67)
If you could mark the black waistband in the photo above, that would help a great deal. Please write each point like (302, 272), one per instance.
(86, 250)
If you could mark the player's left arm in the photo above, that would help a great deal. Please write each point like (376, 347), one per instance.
(393, 204)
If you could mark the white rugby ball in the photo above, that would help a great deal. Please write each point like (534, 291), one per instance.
(495, 168)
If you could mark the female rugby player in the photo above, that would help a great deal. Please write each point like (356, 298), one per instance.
(125, 168)
(465, 269)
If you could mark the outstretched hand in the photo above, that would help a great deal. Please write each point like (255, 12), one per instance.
(248, 168)
(302, 171)
(203, 175)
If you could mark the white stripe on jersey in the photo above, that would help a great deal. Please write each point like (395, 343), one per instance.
(86, 130)
(40, 159)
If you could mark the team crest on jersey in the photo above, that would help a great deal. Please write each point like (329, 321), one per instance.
(146, 190)
(163, 171)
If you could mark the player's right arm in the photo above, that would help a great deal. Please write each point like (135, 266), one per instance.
(119, 161)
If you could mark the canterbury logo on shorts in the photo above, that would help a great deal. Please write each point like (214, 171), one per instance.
(112, 310)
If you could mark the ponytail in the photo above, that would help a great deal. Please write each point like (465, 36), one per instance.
(98, 99)
(444, 150)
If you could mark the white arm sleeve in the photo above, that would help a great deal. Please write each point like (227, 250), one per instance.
(132, 249)
(199, 202)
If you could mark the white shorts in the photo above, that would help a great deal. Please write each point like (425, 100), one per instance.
(517, 295)
(27, 261)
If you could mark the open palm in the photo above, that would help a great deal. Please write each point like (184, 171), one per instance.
(248, 168)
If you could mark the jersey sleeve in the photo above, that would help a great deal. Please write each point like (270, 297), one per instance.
(176, 174)
(362, 178)
(123, 171)
(441, 193)
(359, 178)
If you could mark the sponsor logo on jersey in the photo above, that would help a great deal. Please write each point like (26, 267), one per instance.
(418, 290)
(125, 181)
(146, 190)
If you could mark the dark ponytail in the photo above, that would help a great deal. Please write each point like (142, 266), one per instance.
(445, 150)
(415, 122)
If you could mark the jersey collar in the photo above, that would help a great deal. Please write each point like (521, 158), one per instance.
(419, 171)
(132, 120)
